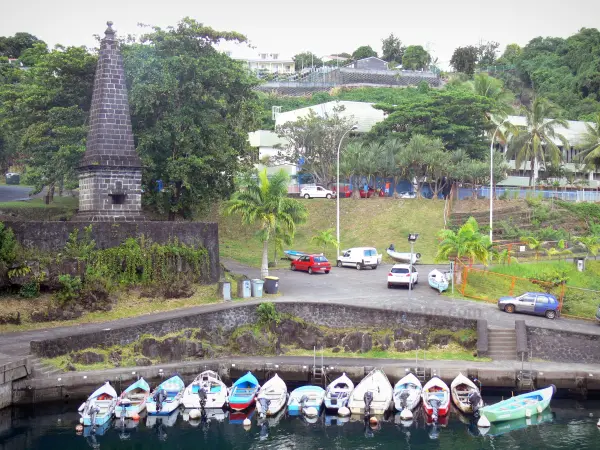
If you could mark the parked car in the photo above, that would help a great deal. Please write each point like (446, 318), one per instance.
(316, 192)
(311, 264)
(344, 188)
(598, 314)
(538, 303)
(400, 275)
(360, 257)
(407, 194)
(368, 193)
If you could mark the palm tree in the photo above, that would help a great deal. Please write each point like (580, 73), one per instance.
(533, 244)
(590, 145)
(265, 202)
(493, 88)
(590, 243)
(325, 238)
(467, 243)
(536, 140)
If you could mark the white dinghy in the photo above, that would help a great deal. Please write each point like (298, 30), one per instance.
(373, 395)
(272, 397)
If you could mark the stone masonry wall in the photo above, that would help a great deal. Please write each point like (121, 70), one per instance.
(96, 185)
(564, 346)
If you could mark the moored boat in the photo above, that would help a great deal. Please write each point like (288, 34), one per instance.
(506, 426)
(305, 397)
(166, 398)
(242, 393)
(438, 280)
(521, 406)
(206, 391)
(99, 408)
(133, 400)
(403, 257)
(338, 392)
(436, 398)
(272, 397)
(293, 254)
(407, 393)
(373, 395)
(466, 395)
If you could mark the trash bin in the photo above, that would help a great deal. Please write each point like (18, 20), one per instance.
(244, 289)
(257, 287)
(271, 285)
(580, 262)
(12, 178)
(225, 290)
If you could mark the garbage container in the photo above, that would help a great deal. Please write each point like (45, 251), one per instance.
(244, 289)
(580, 262)
(271, 285)
(225, 290)
(257, 287)
(12, 178)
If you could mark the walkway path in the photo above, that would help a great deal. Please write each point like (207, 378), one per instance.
(11, 193)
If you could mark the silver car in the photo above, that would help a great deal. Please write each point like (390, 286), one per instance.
(538, 303)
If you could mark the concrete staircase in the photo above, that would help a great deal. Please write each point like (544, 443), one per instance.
(502, 344)
(40, 369)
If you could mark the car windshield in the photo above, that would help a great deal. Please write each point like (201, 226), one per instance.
(371, 252)
(320, 259)
(399, 270)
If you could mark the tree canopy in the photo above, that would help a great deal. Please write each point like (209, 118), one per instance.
(14, 46)
(415, 57)
(392, 49)
(364, 52)
(305, 60)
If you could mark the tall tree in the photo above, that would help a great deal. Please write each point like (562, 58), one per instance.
(13, 46)
(466, 243)
(192, 108)
(392, 49)
(264, 202)
(486, 53)
(589, 146)
(493, 88)
(535, 142)
(511, 54)
(364, 52)
(306, 60)
(464, 59)
(415, 57)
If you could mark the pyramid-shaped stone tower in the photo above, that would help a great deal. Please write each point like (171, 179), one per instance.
(110, 173)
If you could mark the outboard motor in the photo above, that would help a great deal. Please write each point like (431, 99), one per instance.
(203, 396)
(435, 405)
(303, 401)
(159, 398)
(474, 400)
(404, 399)
(264, 406)
(94, 410)
(368, 398)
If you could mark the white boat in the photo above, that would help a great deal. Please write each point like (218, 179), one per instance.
(206, 415)
(166, 398)
(304, 398)
(99, 408)
(206, 391)
(436, 398)
(403, 257)
(293, 255)
(407, 393)
(133, 400)
(272, 397)
(338, 392)
(466, 395)
(373, 395)
(165, 420)
(438, 280)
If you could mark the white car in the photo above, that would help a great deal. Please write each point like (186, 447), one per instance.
(399, 275)
(316, 192)
(359, 257)
(407, 195)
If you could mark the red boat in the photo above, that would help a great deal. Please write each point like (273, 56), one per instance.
(243, 392)
(436, 398)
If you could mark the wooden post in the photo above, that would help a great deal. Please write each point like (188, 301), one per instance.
(512, 286)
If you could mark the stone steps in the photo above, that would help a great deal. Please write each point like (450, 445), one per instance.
(502, 344)
(40, 369)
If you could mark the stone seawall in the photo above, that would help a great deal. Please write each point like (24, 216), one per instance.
(52, 236)
(564, 346)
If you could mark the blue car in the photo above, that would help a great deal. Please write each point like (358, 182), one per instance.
(538, 303)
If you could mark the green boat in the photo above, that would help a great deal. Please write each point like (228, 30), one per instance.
(501, 428)
(519, 407)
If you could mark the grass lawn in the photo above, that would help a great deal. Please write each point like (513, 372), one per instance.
(367, 222)
(59, 202)
(488, 286)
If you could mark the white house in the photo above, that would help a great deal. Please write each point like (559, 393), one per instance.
(264, 62)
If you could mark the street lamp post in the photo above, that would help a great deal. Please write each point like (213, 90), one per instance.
(412, 238)
(337, 190)
(492, 177)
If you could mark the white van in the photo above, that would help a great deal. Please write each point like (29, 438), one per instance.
(316, 192)
(360, 257)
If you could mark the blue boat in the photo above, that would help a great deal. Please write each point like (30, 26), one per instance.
(166, 398)
(99, 408)
(294, 254)
(438, 280)
(243, 392)
(305, 397)
(133, 400)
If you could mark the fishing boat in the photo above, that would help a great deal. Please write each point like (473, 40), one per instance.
(167, 420)
(403, 257)
(521, 406)
(306, 400)
(466, 395)
(407, 393)
(243, 392)
(438, 280)
(373, 395)
(436, 398)
(166, 398)
(133, 400)
(99, 408)
(293, 254)
(338, 392)
(272, 397)
(506, 426)
(206, 391)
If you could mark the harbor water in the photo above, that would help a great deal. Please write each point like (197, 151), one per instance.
(567, 424)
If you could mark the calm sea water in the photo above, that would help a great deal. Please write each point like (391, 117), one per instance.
(568, 425)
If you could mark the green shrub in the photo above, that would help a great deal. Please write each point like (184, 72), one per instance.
(83, 247)
(8, 245)
(70, 290)
(267, 313)
(30, 289)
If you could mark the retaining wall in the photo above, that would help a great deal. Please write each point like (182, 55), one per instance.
(564, 346)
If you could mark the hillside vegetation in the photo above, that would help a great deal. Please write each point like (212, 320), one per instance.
(367, 222)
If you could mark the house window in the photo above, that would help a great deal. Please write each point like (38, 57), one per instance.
(274, 55)
(263, 56)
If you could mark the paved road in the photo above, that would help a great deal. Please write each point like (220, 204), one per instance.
(11, 193)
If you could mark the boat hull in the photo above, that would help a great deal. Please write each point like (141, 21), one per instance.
(129, 411)
(412, 402)
(166, 409)
(494, 416)
(443, 410)
(519, 407)
(240, 406)
(334, 404)
(100, 420)
(403, 257)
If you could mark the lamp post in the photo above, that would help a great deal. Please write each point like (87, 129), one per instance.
(412, 238)
(337, 190)
(492, 177)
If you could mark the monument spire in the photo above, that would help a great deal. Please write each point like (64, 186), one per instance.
(110, 172)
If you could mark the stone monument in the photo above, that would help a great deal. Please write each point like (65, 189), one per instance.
(110, 173)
